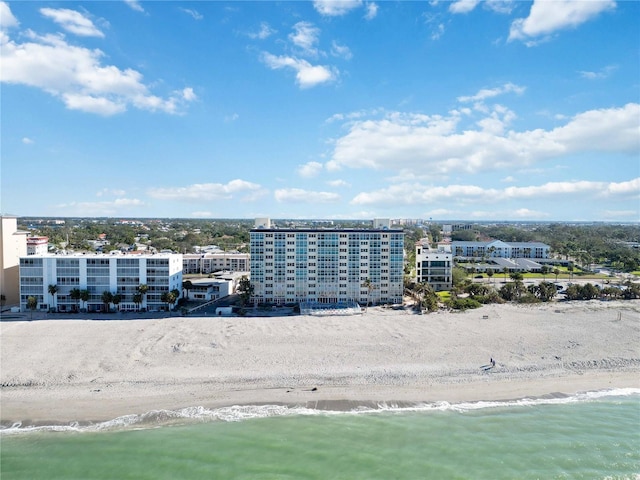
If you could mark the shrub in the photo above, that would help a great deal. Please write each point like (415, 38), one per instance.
(464, 304)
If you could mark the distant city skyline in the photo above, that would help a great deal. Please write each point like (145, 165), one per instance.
(465, 110)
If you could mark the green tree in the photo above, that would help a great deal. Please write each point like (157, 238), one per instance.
(187, 285)
(516, 276)
(74, 294)
(84, 297)
(116, 299)
(570, 269)
(107, 298)
(544, 291)
(490, 273)
(137, 299)
(245, 290)
(556, 272)
(32, 304)
(168, 298)
(512, 291)
(544, 270)
(143, 288)
(53, 289)
(368, 284)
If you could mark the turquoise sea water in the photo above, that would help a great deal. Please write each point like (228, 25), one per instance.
(591, 436)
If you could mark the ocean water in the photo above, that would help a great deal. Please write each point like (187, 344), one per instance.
(588, 436)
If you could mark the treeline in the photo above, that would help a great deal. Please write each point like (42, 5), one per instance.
(178, 235)
(469, 295)
(586, 244)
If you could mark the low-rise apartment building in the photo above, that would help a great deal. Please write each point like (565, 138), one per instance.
(206, 263)
(500, 249)
(116, 273)
(434, 266)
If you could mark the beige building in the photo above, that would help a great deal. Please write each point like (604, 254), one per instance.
(13, 245)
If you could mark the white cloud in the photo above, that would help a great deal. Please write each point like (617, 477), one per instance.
(310, 169)
(72, 21)
(297, 195)
(99, 209)
(336, 8)
(432, 145)
(135, 5)
(193, 13)
(601, 74)
(499, 6)
(486, 93)
(202, 214)
(307, 75)
(265, 32)
(342, 51)
(27, 141)
(547, 17)
(110, 192)
(206, 191)
(305, 36)
(437, 31)
(77, 76)
(372, 11)
(338, 183)
(417, 194)
(463, 6)
(231, 118)
(7, 20)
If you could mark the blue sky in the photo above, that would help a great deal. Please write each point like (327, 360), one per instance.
(495, 110)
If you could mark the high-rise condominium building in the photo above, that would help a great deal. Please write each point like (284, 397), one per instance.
(119, 273)
(327, 265)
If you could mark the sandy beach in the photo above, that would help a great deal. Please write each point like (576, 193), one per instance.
(56, 371)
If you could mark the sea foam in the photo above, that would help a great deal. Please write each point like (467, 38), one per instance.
(237, 413)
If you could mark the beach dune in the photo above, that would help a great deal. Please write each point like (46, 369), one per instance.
(61, 371)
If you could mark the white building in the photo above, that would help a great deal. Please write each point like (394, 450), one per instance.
(37, 245)
(434, 266)
(500, 249)
(13, 245)
(205, 263)
(208, 289)
(328, 266)
(116, 273)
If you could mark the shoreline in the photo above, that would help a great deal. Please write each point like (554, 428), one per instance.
(62, 371)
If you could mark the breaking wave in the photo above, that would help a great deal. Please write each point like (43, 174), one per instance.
(237, 413)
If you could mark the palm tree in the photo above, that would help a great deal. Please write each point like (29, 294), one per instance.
(570, 269)
(116, 299)
(369, 286)
(556, 272)
(53, 289)
(137, 299)
(490, 274)
(169, 298)
(74, 294)
(84, 296)
(544, 270)
(142, 290)
(516, 276)
(107, 298)
(187, 285)
(505, 270)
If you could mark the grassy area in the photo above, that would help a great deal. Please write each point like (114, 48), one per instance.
(444, 296)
